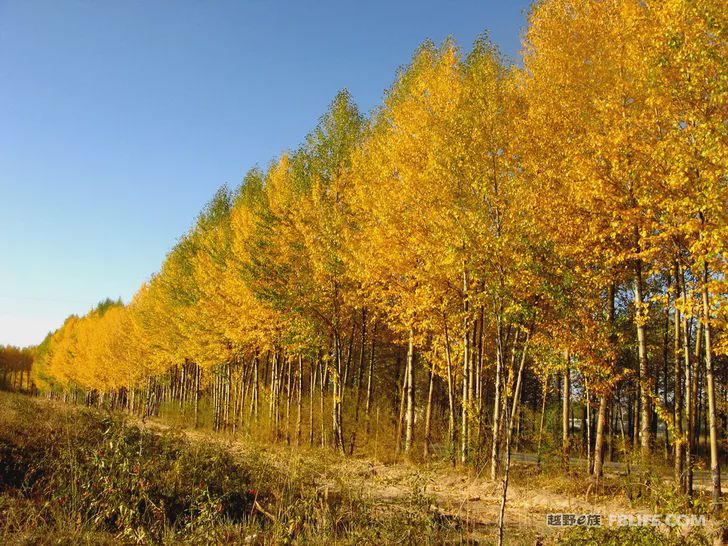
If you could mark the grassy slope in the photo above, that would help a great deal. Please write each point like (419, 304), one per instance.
(94, 478)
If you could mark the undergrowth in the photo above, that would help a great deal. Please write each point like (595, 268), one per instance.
(76, 476)
(633, 536)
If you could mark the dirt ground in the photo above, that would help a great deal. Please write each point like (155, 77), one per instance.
(467, 496)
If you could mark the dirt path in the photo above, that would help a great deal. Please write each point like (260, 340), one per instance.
(455, 494)
(475, 500)
(471, 499)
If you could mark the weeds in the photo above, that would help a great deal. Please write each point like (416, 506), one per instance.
(78, 476)
(634, 536)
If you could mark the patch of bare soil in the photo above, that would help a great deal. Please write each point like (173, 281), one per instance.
(468, 498)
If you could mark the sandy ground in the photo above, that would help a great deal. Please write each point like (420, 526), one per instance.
(469, 497)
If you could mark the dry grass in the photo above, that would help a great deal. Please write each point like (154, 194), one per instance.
(314, 495)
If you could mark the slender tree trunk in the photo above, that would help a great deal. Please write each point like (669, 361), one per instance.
(710, 387)
(612, 420)
(246, 387)
(565, 407)
(228, 381)
(359, 380)
(701, 426)
(587, 410)
(517, 391)
(604, 399)
(337, 389)
(678, 440)
(428, 415)
(508, 425)
(216, 403)
(220, 396)
(545, 390)
(272, 410)
(324, 379)
(370, 376)
(410, 429)
(689, 399)
(289, 396)
(465, 424)
(183, 381)
(472, 402)
(299, 400)
(198, 377)
(665, 358)
(495, 452)
(267, 367)
(621, 423)
(402, 407)
(599, 445)
(640, 318)
(214, 386)
(281, 387)
(450, 395)
(697, 380)
(236, 395)
(349, 353)
(479, 380)
(311, 390)
(255, 395)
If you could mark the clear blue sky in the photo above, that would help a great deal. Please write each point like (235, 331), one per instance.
(120, 118)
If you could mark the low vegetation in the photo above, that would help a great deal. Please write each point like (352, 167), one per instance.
(76, 475)
(634, 536)
(80, 476)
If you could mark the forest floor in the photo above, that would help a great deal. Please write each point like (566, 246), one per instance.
(468, 496)
(307, 495)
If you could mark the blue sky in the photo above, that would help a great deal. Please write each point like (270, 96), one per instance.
(120, 118)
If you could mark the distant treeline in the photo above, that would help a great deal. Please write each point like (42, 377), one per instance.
(15, 367)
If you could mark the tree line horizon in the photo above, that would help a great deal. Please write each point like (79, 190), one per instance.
(491, 235)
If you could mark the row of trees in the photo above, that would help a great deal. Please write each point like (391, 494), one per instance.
(487, 229)
(15, 367)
